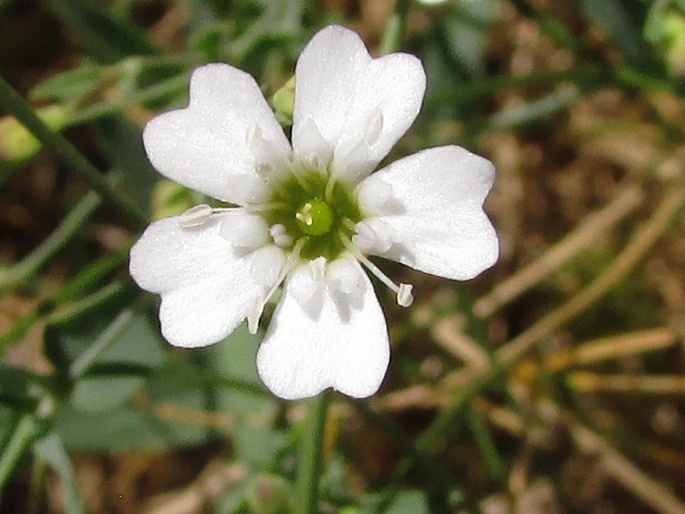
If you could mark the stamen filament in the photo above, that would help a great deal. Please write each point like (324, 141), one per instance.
(403, 291)
(256, 314)
(267, 207)
(330, 185)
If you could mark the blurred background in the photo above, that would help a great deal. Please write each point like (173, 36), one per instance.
(552, 383)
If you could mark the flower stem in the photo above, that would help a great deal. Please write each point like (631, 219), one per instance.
(394, 29)
(14, 104)
(309, 465)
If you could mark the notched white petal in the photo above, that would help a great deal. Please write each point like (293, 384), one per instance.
(344, 345)
(437, 209)
(205, 287)
(203, 145)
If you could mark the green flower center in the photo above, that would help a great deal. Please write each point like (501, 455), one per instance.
(316, 212)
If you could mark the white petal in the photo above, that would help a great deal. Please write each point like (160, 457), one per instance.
(205, 287)
(355, 100)
(337, 340)
(205, 146)
(436, 207)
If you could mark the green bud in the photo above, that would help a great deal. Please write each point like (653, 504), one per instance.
(170, 199)
(283, 102)
(18, 145)
(269, 494)
(674, 29)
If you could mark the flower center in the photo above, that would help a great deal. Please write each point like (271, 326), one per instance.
(315, 218)
(314, 211)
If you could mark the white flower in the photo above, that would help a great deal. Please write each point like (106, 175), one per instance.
(307, 214)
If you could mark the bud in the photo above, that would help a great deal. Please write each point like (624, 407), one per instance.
(18, 145)
(283, 102)
(170, 199)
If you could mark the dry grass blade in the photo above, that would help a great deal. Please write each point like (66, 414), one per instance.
(625, 472)
(636, 249)
(583, 236)
(585, 382)
(612, 347)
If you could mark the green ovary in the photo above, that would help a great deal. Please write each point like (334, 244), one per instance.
(313, 214)
(315, 218)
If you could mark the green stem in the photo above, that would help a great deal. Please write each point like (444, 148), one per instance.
(108, 336)
(309, 465)
(394, 29)
(22, 436)
(68, 228)
(13, 103)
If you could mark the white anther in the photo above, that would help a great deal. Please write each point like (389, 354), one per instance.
(195, 216)
(404, 296)
(245, 231)
(374, 127)
(267, 264)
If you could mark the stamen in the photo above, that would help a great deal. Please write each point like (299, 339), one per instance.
(195, 216)
(257, 310)
(403, 291)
